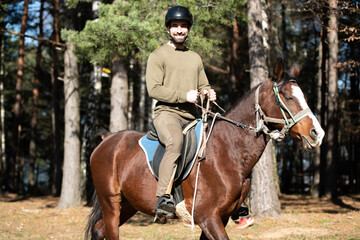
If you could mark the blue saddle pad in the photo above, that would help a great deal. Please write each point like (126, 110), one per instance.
(154, 151)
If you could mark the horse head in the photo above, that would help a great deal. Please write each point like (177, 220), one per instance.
(286, 109)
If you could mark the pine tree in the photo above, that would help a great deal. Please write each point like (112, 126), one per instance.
(264, 201)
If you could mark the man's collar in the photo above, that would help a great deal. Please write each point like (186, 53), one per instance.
(180, 48)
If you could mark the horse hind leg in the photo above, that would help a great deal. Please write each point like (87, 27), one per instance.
(96, 225)
(110, 207)
(116, 211)
(126, 211)
(98, 232)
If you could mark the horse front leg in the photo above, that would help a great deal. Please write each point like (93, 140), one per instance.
(213, 228)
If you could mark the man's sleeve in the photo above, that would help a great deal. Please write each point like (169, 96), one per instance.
(203, 80)
(154, 83)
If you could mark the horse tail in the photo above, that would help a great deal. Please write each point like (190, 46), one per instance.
(94, 216)
(103, 133)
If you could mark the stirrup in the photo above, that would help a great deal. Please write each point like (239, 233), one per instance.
(165, 208)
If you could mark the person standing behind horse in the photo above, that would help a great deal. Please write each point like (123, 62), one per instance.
(175, 77)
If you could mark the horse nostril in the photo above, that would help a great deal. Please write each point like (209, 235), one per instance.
(313, 133)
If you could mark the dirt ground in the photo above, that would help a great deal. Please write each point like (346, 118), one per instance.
(301, 218)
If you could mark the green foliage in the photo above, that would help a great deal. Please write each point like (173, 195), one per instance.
(74, 3)
(126, 26)
(2, 12)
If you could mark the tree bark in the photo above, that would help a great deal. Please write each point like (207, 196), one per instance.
(90, 128)
(258, 67)
(142, 102)
(332, 118)
(264, 201)
(2, 128)
(283, 31)
(119, 96)
(34, 117)
(55, 171)
(18, 102)
(329, 148)
(70, 190)
(234, 64)
(314, 191)
(324, 93)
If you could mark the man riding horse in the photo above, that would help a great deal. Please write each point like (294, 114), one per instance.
(175, 77)
(214, 192)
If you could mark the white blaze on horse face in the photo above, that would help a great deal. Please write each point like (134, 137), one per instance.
(298, 94)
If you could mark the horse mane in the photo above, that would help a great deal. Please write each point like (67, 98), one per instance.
(245, 96)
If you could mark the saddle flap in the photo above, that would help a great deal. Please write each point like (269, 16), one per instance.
(154, 150)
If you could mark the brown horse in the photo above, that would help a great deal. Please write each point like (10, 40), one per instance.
(125, 185)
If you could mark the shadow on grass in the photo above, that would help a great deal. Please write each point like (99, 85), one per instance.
(341, 204)
(141, 219)
(306, 204)
(144, 220)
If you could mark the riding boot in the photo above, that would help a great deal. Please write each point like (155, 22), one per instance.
(164, 209)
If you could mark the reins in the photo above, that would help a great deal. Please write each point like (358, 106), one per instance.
(261, 119)
(238, 124)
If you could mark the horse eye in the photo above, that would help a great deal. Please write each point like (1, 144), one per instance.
(287, 97)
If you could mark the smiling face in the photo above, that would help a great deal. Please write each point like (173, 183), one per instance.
(178, 30)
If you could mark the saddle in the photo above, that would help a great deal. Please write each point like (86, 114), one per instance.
(154, 151)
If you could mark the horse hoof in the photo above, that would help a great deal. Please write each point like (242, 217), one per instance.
(160, 219)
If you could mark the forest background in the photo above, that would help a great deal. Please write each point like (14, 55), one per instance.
(69, 68)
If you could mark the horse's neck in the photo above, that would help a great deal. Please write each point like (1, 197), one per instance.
(246, 146)
(243, 111)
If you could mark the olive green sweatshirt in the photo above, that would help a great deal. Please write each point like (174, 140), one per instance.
(170, 74)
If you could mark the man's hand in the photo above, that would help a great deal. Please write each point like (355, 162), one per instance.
(192, 96)
(211, 94)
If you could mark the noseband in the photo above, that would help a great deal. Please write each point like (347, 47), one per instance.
(261, 118)
(287, 123)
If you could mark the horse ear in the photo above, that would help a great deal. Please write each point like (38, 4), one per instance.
(278, 69)
(295, 69)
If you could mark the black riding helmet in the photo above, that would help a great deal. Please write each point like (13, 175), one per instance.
(178, 13)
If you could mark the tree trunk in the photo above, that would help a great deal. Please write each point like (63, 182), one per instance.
(283, 31)
(332, 118)
(234, 64)
(264, 201)
(258, 67)
(119, 96)
(56, 161)
(91, 126)
(18, 103)
(70, 190)
(329, 148)
(34, 117)
(142, 117)
(324, 93)
(2, 128)
(314, 191)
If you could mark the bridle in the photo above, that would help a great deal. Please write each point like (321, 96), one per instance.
(261, 118)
